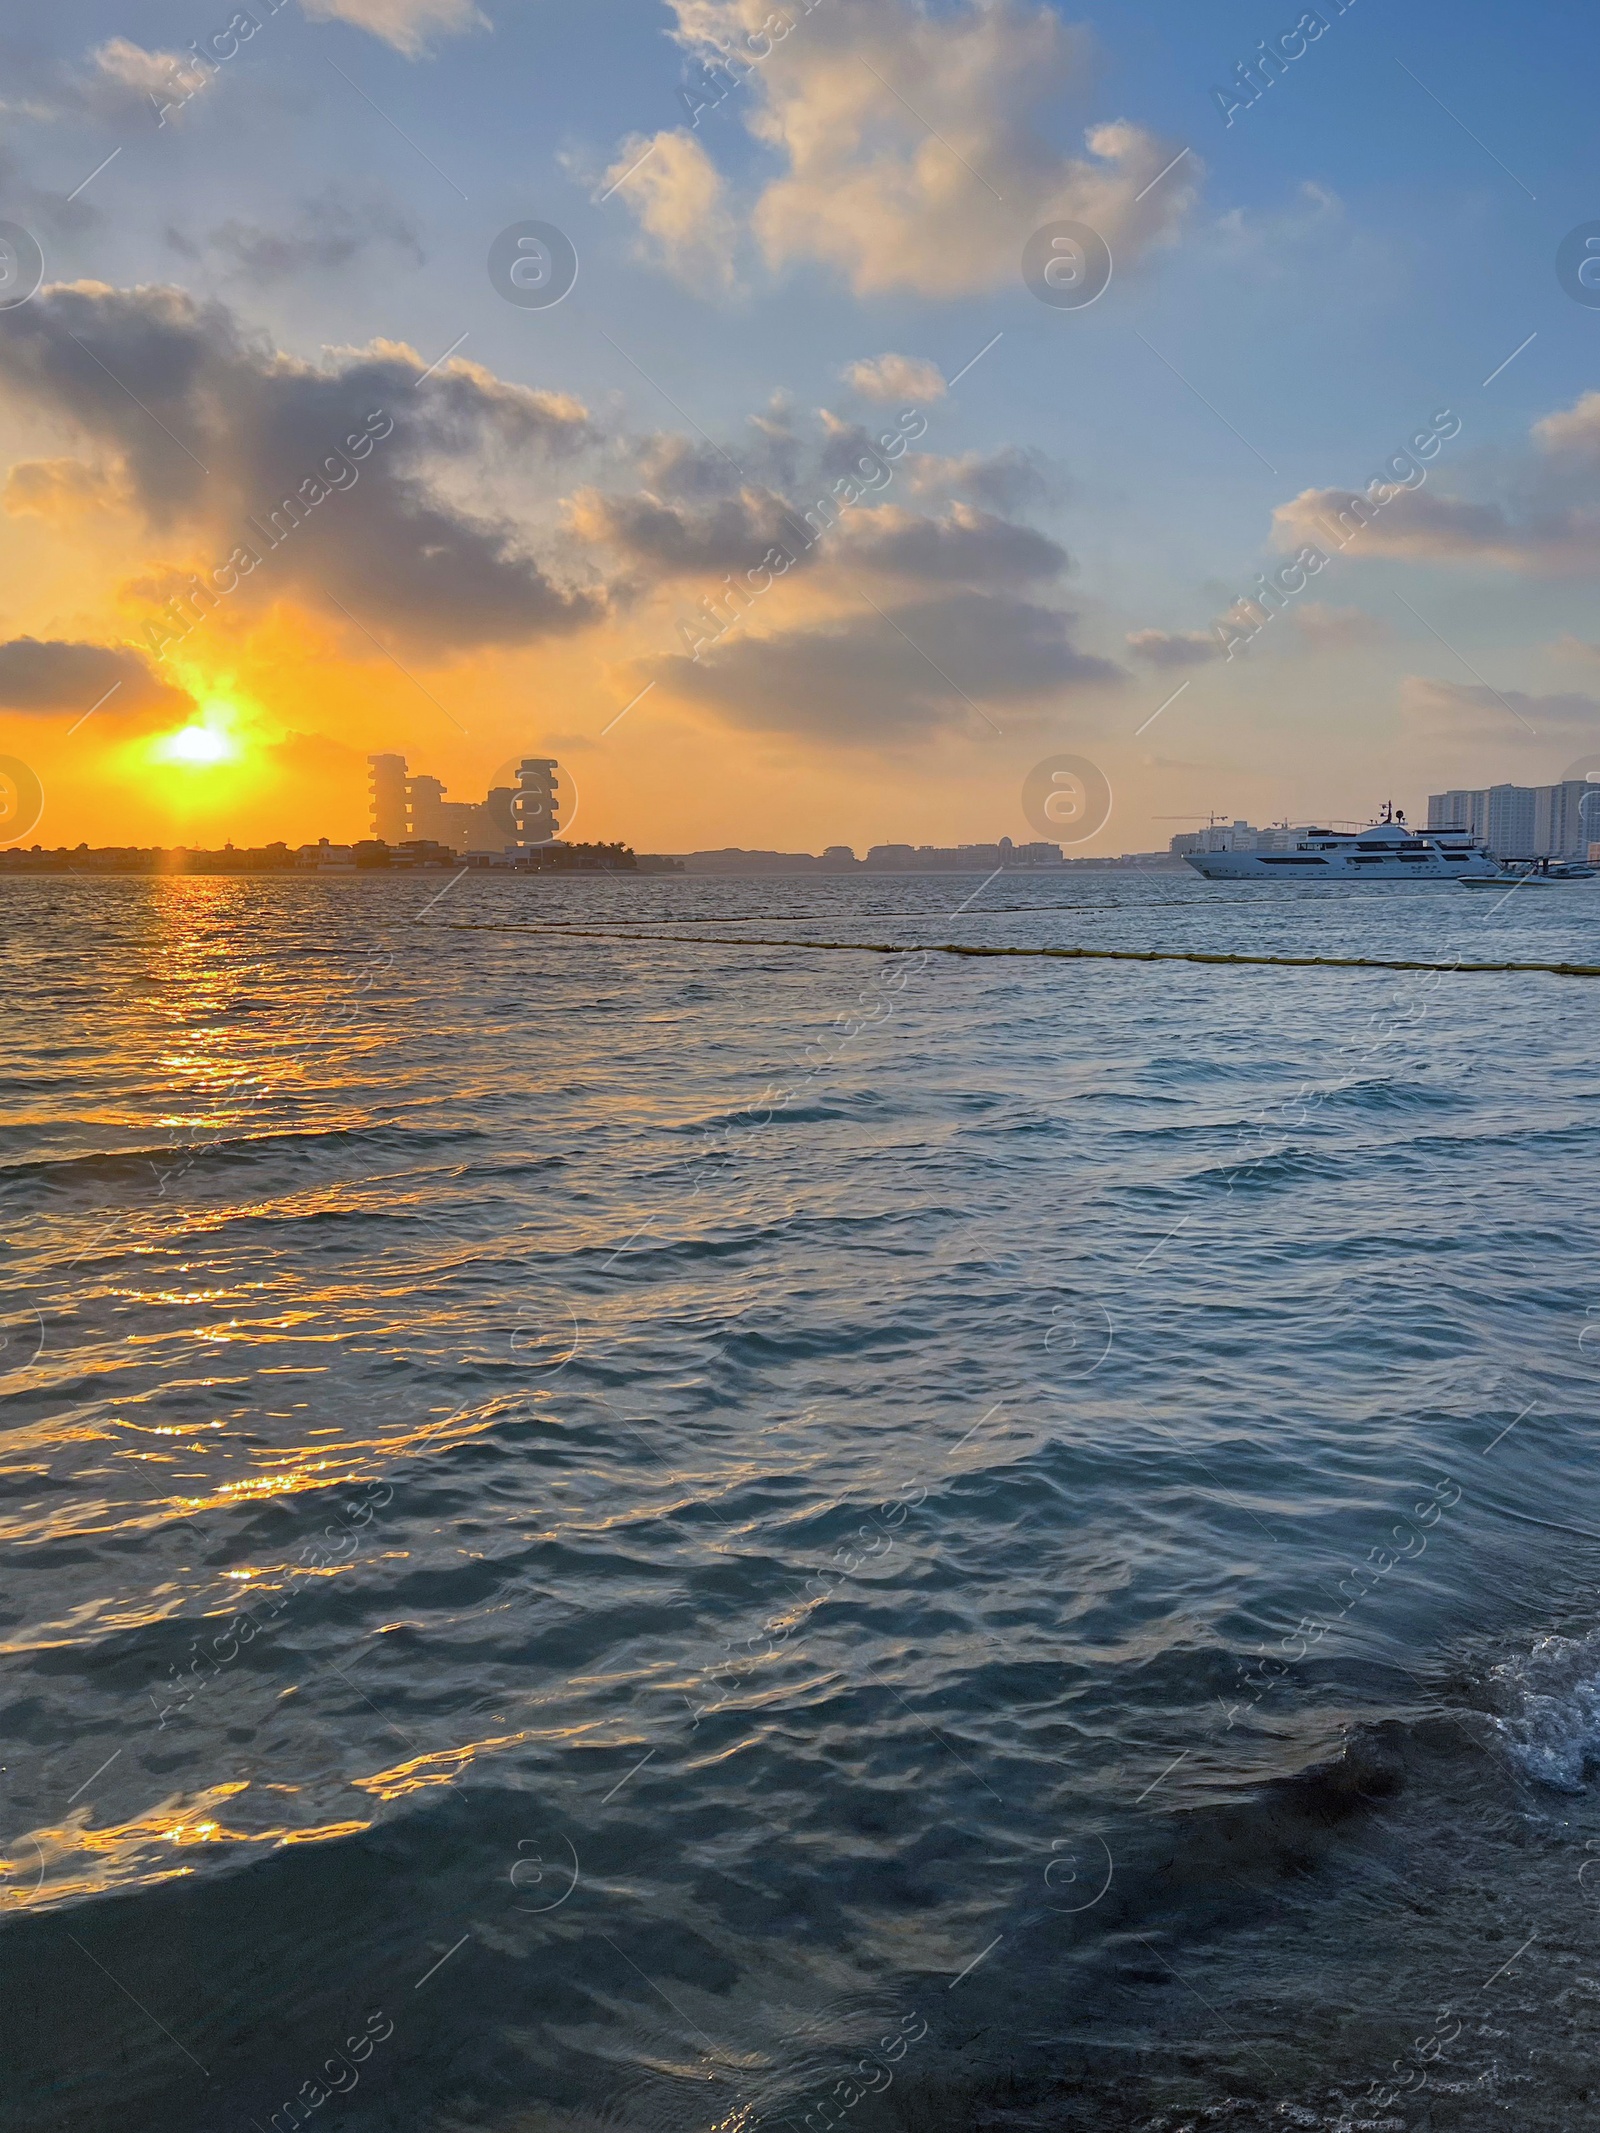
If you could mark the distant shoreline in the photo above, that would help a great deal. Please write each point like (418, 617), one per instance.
(309, 862)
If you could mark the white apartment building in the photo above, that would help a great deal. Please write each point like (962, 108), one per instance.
(1524, 821)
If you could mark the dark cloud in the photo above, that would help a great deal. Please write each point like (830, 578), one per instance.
(1009, 480)
(50, 675)
(684, 469)
(216, 429)
(674, 540)
(968, 547)
(1422, 526)
(662, 540)
(845, 445)
(322, 236)
(1540, 515)
(873, 677)
(974, 541)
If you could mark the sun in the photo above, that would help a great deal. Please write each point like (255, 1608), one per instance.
(202, 744)
(196, 744)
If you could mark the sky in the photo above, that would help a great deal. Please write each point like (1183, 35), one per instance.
(821, 506)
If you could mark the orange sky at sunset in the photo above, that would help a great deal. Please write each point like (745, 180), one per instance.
(287, 703)
(800, 289)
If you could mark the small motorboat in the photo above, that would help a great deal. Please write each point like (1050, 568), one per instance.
(1531, 874)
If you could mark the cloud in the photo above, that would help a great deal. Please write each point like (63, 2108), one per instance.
(1419, 525)
(1307, 232)
(119, 83)
(50, 675)
(1337, 629)
(966, 547)
(867, 678)
(1449, 711)
(673, 540)
(677, 194)
(1316, 627)
(1544, 520)
(406, 24)
(214, 429)
(126, 80)
(890, 378)
(1009, 480)
(60, 491)
(912, 142)
(1175, 648)
(326, 234)
(671, 464)
(1572, 429)
(663, 540)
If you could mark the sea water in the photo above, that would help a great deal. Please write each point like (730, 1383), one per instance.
(616, 1517)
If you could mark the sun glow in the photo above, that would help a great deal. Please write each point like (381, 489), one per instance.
(198, 746)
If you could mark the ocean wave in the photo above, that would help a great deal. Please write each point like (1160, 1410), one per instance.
(148, 1164)
(1547, 1710)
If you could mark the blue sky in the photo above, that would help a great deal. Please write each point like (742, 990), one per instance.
(1292, 302)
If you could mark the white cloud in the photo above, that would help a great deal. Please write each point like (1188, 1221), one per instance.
(130, 66)
(889, 378)
(912, 145)
(676, 191)
(1573, 429)
(406, 24)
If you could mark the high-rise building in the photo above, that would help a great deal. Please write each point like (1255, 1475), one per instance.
(1566, 819)
(405, 808)
(1458, 810)
(535, 806)
(425, 809)
(1524, 821)
(390, 797)
(1509, 834)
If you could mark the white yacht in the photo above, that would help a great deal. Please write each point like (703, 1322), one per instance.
(1386, 850)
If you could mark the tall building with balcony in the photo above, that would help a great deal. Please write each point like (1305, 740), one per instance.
(391, 797)
(535, 806)
(406, 808)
